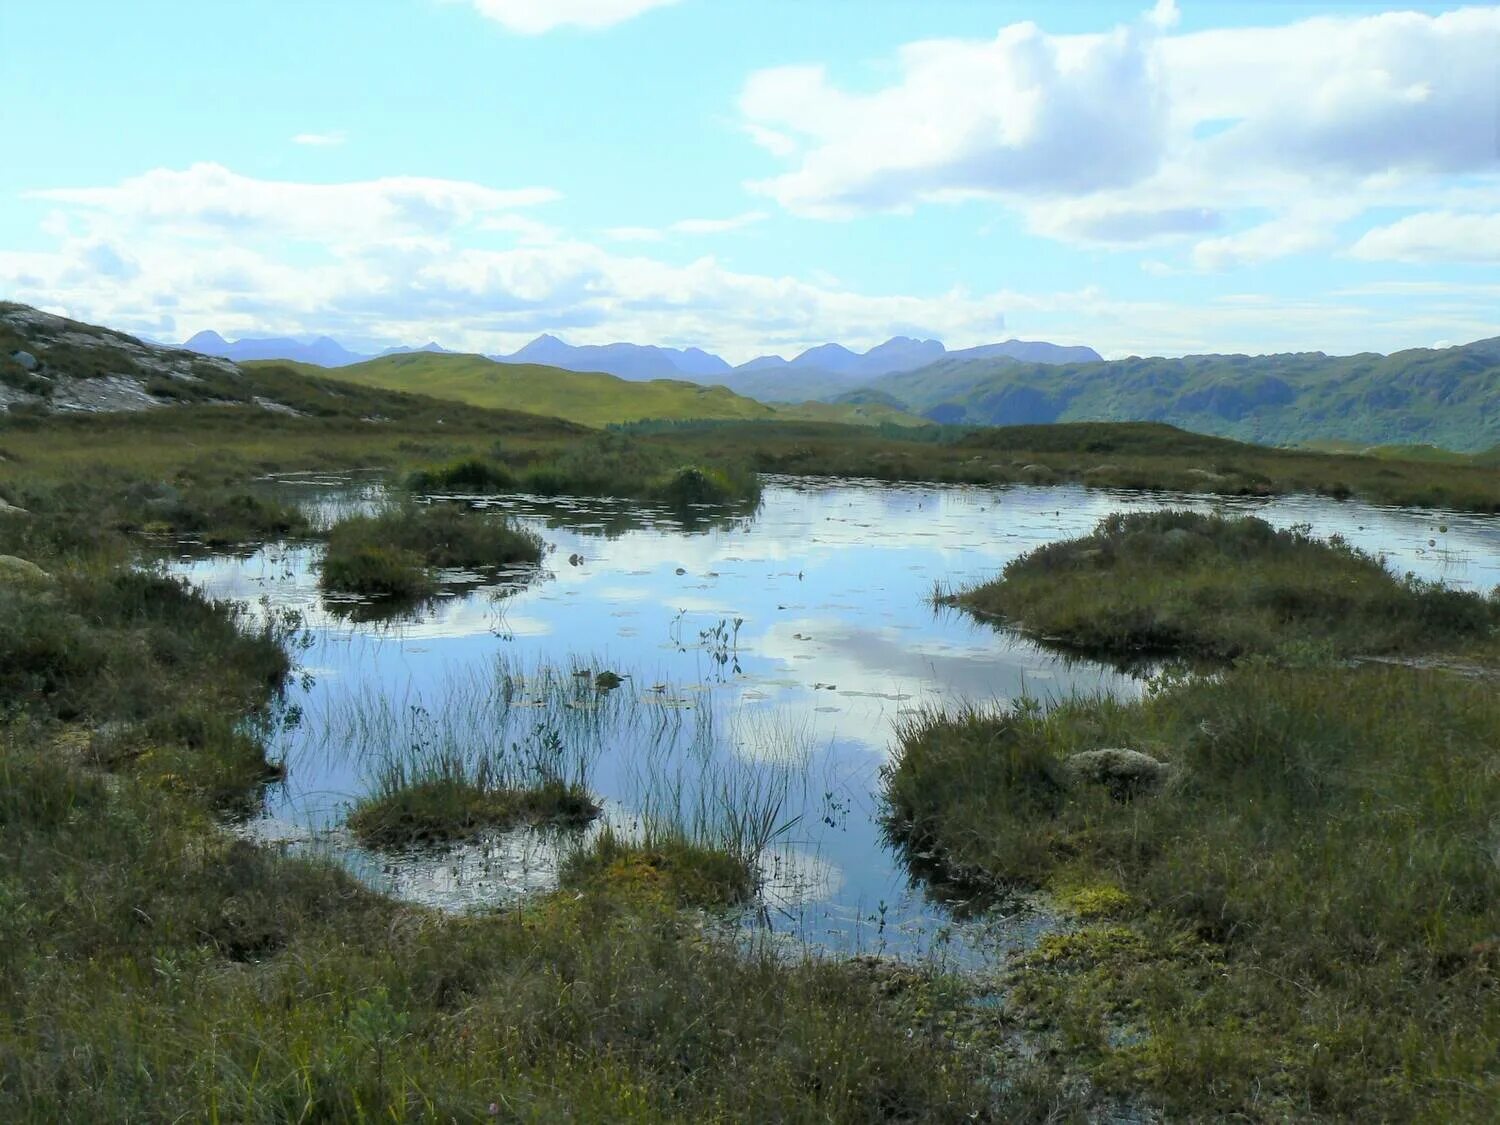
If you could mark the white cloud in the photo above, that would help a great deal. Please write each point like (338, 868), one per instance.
(1144, 135)
(533, 17)
(380, 279)
(1303, 228)
(1434, 236)
(321, 140)
(209, 198)
(1164, 15)
(1026, 114)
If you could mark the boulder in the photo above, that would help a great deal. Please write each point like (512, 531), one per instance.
(27, 361)
(22, 574)
(8, 509)
(1126, 773)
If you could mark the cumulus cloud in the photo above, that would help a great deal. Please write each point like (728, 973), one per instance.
(1027, 113)
(533, 17)
(1143, 134)
(405, 259)
(486, 280)
(1434, 236)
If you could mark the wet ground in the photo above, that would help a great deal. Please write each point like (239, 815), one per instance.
(768, 659)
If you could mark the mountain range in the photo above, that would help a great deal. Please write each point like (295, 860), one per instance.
(813, 374)
(323, 351)
(1448, 397)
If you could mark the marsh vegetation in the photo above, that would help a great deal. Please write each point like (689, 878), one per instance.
(393, 552)
(1284, 871)
(610, 465)
(1189, 583)
(1294, 918)
(1298, 921)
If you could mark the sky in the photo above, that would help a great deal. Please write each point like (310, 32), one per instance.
(757, 177)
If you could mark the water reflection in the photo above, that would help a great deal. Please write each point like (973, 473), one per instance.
(836, 642)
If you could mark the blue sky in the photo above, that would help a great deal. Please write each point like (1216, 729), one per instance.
(758, 177)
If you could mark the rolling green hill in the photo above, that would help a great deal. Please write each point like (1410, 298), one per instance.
(1448, 397)
(590, 397)
(593, 398)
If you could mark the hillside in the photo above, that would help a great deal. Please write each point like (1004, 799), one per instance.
(1447, 397)
(831, 372)
(590, 397)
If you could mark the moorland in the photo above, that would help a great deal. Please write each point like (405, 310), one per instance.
(1275, 871)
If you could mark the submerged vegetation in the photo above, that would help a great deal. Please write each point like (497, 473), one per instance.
(1298, 917)
(1207, 585)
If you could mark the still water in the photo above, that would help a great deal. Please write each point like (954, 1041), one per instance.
(767, 659)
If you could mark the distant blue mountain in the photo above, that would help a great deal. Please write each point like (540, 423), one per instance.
(831, 371)
(323, 351)
(628, 361)
(825, 371)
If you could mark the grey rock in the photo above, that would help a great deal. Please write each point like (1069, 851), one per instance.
(9, 509)
(23, 574)
(27, 361)
(1126, 773)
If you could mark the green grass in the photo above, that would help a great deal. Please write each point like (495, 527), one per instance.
(153, 967)
(592, 398)
(391, 552)
(679, 870)
(609, 465)
(1304, 917)
(443, 808)
(1184, 583)
(1126, 455)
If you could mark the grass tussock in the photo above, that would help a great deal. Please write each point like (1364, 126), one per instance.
(669, 865)
(1205, 585)
(392, 552)
(1301, 922)
(438, 801)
